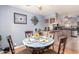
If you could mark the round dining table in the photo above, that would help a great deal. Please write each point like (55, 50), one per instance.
(38, 43)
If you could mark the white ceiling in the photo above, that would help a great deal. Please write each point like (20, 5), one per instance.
(46, 9)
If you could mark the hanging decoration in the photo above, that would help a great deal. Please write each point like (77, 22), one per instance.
(34, 20)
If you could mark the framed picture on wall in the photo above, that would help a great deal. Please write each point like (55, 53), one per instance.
(20, 18)
(46, 20)
(52, 20)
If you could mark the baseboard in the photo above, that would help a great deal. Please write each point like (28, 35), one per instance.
(19, 46)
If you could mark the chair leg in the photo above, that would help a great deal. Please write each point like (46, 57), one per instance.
(53, 46)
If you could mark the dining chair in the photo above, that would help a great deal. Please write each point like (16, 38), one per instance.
(53, 37)
(61, 47)
(0, 41)
(20, 49)
(40, 32)
(28, 33)
(11, 46)
(62, 44)
(0, 38)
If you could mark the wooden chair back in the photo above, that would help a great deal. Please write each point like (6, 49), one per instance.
(53, 34)
(0, 37)
(62, 45)
(28, 33)
(11, 46)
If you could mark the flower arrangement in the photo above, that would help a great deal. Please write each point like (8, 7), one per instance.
(36, 35)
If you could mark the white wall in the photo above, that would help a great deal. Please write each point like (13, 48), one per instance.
(7, 25)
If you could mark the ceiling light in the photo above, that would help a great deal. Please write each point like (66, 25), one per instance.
(38, 6)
